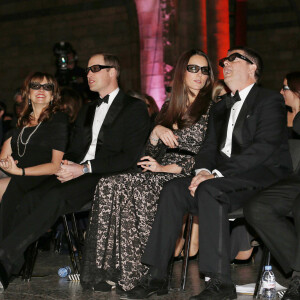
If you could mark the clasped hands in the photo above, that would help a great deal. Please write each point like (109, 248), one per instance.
(68, 170)
(200, 177)
(9, 165)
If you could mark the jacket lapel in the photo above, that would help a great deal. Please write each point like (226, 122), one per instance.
(237, 135)
(111, 115)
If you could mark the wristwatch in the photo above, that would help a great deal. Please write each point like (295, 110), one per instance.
(86, 169)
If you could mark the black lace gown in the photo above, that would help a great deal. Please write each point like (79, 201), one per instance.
(123, 211)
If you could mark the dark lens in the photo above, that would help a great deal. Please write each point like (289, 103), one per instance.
(35, 86)
(285, 88)
(205, 70)
(232, 57)
(95, 68)
(221, 62)
(48, 87)
(87, 70)
(193, 68)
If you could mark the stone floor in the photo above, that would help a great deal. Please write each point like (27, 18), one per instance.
(46, 284)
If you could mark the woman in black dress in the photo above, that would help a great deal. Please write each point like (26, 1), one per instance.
(124, 205)
(34, 151)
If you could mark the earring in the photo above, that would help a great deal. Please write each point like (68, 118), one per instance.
(29, 102)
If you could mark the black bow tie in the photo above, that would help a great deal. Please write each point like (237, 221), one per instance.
(101, 100)
(230, 100)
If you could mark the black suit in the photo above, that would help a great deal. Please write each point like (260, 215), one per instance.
(120, 142)
(259, 158)
(267, 212)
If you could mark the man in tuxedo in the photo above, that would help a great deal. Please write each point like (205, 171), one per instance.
(244, 151)
(108, 137)
(267, 213)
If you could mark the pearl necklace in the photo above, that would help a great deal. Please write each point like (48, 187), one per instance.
(20, 136)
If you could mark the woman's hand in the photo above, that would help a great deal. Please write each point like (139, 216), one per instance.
(150, 164)
(166, 135)
(10, 165)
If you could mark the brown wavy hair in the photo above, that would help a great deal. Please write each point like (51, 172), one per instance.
(25, 116)
(178, 111)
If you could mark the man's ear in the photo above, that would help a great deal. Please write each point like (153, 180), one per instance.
(252, 69)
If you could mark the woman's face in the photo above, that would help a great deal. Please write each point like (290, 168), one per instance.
(196, 81)
(289, 97)
(41, 92)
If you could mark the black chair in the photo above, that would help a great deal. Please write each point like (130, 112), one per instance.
(72, 235)
(294, 146)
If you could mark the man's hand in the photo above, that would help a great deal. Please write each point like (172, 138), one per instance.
(69, 171)
(200, 177)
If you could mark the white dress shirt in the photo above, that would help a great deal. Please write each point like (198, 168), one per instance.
(99, 117)
(234, 113)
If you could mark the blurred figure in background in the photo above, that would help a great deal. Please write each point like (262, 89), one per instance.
(219, 90)
(71, 102)
(151, 105)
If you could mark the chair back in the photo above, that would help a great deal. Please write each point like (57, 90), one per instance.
(295, 154)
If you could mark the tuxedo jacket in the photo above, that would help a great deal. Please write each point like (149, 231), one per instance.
(259, 141)
(121, 138)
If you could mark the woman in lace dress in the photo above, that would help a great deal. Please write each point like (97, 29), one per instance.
(125, 205)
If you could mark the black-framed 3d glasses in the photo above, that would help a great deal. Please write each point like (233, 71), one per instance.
(196, 69)
(232, 57)
(97, 68)
(36, 86)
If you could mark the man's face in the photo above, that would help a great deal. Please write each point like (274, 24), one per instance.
(238, 73)
(98, 81)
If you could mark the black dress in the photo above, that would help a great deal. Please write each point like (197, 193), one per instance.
(123, 211)
(51, 135)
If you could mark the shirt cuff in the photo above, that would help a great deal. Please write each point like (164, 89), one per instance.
(90, 166)
(197, 171)
(218, 173)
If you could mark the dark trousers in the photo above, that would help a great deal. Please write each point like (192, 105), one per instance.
(39, 211)
(213, 200)
(267, 212)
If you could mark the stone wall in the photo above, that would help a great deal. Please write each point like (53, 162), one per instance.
(30, 28)
(274, 30)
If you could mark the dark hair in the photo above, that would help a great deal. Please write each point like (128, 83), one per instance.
(110, 60)
(218, 86)
(254, 57)
(25, 116)
(70, 103)
(176, 112)
(293, 81)
(151, 104)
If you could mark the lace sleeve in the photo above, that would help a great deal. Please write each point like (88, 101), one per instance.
(187, 163)
(155, 151)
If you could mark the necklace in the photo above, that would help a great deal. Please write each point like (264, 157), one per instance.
(20, 136)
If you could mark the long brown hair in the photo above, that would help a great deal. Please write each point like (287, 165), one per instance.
(25, 115)
(178, 111)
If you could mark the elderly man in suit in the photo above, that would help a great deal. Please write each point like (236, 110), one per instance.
(108, 137)
(245, 150)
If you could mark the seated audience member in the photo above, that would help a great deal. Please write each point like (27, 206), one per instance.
(246, 150)
(124, 205)
(36, 148)
(291, 94)
(267, 212)
(108, 137)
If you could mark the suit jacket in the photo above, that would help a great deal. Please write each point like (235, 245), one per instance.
(259, 141)
(121, 138)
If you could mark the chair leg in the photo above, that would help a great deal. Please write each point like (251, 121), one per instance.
(76, 236)
(189, 225)
(71, 246)
(264, 261)
(30, 257)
